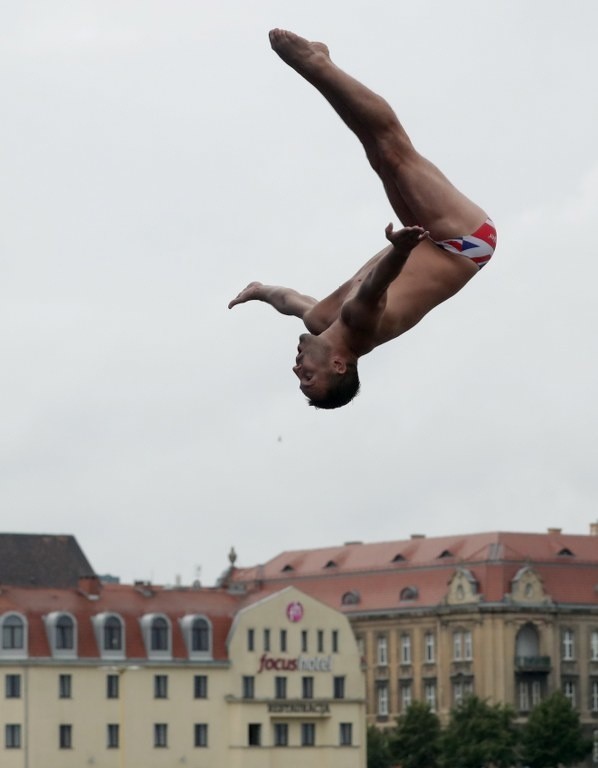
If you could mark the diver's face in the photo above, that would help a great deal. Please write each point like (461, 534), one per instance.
(312, 366)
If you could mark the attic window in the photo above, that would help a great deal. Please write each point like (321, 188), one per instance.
(351, 598)
(398, 558)
(287, 568)
(566, 552)
(408, 593)
(445, 553)
(330, 564)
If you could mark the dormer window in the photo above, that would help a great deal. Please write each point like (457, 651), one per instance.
(287, 568)
(445, 553)
(398, 558)
(13, 629)
(330, 564)
(110, 635)
(197, 632)
(408, 593)
(351, 598)
(566, 552)
(157, 635)
(62, 634)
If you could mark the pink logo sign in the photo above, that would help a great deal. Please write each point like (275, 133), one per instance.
(294, 611)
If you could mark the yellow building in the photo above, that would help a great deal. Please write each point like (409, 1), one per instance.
(138, 676)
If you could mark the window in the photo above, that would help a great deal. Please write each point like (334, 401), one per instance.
(254, 734)
(13, 633)
(200, 686)
(200, 635)
(461, 690)
(159, 634)
(160, 686)
(467, 646)
(65, 633)
(568, 645)
(405, 649)
(248, 687)
(200, 734)
(594, 646)
(345, 738)
(429, 647)
(339, 687)
(65, 686)
(320, 641)
(266, 639)
(383, 699)
(307, 687)
(304, 643)
(280, 687)
(430, 695)
(112, 686)
(308, 734)
(523, 697)
(457, 646)
(160, 735)
(251, 639)
(113, 634)
(65, 736)
(283, 641)
(382, 650)
(594, 696)
(406, 696)
(12, 736)
(569, 691)
(335, 641)
(12, 686)
(361, 646)
(112, 736)
(536, 692)
(281, 735)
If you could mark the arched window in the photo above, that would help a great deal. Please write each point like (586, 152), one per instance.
(113, 634)
(351, 598)
(64, 633)
(408, 593)
(13, 633)
(159, 634)
(200, 635)
(527, 644)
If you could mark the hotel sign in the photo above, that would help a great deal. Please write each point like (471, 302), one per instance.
(299, 664)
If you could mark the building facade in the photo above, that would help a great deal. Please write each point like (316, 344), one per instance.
(509, 617)
(123, 676)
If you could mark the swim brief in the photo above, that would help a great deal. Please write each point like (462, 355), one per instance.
(478, 247)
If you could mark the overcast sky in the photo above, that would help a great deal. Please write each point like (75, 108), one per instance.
(156, 156)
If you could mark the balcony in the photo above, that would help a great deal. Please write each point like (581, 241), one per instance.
(532, 663)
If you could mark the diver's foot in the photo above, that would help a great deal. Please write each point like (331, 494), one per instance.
(297, 52)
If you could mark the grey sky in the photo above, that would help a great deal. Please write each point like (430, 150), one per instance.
(157, 156)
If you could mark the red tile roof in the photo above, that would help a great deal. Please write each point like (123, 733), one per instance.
(566, 563)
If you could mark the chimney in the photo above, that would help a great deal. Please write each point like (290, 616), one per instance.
(554, 531)
(90, 586)
(594, 529)
(418, 535)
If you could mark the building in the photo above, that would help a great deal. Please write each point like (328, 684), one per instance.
(137, 675)
(509, 617)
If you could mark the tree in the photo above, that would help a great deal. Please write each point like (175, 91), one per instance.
(415, 741)
(553, 735)
(478, 735)
(378, 749)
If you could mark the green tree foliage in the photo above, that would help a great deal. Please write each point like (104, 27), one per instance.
(478, 735)
(553, 735)
(378, 748)
(415, 742)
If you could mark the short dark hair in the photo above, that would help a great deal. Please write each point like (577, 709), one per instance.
(342, 389)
